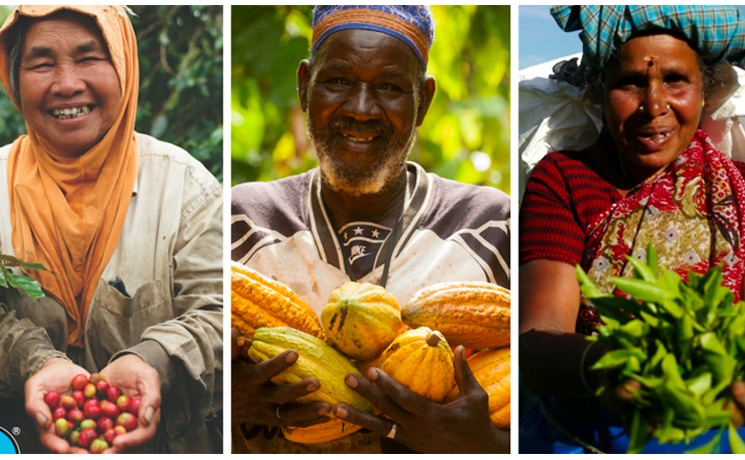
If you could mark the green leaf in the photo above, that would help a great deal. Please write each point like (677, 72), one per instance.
(652, 258)
(633, 365)
(642, 270)
(721, 364)
(670, 281)
(700, 384)
(709, 447)
(8, 261)
(635, 328)
(671, 372)
(717, 413)
(648, 382)
(26, 284)
(642, 290)
(650, 319)
(735, 441)
(589, 289)
(617, 358)
(666, 431)
(672, 308)
(686, 326)
(659, 354)
(638, 436)
(20, 281)
(618, 308)
(714, 295)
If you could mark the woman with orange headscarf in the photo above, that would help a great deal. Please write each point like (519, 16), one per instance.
(128, 227)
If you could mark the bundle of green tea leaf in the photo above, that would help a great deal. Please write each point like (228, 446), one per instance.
(684, 342)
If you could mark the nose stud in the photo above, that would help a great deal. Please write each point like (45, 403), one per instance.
(641, 107)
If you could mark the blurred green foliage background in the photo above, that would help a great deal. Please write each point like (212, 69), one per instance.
(181, 80)
(464, 137)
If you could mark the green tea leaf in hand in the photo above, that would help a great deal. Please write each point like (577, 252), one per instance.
(735, 441)
(643, 290)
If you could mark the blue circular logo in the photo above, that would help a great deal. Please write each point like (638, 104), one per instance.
(8, 444)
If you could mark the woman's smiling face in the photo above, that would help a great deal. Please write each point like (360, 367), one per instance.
(652, 101)
(69, 89)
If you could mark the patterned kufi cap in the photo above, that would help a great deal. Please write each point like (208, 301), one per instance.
(411, 24)
(717, 33)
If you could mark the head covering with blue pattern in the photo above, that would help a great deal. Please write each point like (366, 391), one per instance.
(716, 33)
(412, 24)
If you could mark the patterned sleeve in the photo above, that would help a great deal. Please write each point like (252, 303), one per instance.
(478, 219)
(549, 225)
(264, 213)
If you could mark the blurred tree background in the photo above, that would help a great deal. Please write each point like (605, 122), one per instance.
(181, 59)
(465, 136)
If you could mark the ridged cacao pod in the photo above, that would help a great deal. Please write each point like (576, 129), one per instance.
(421, 360)
(323, 432)
(473, 314)
(259, 301)
(316, 359)
(491, 368)
(361, 319)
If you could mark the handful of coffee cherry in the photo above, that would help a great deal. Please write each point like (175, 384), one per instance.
(93, 413)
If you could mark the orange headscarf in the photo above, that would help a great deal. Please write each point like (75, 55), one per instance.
(66, 213)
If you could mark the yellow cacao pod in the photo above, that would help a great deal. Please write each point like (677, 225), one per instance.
(323, 432)
(421, 360)
(316, 359)
(259, 301)
(361, 319)
(491, 368)
(473, 314)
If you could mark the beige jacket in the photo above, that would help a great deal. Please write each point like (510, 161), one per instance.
(169, 310)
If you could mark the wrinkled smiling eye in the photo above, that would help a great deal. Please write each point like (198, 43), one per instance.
(389, 87)
(338, 82)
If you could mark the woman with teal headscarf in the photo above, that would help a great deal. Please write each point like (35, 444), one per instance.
(653, 177)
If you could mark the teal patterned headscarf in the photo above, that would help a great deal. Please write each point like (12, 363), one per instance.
(717, 33)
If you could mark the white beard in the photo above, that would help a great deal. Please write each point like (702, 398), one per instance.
(352, 184)
(353, 181)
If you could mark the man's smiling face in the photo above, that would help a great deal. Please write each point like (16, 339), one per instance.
(364, 96)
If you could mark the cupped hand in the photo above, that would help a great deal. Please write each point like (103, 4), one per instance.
(256, 400)
(54, 375)
(138, 379)
(619, 400)
(459, 426)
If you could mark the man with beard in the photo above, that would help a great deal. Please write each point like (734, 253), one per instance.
(366, 214)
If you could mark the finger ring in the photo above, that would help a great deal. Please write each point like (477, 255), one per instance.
(277, 413)
(392, 434)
